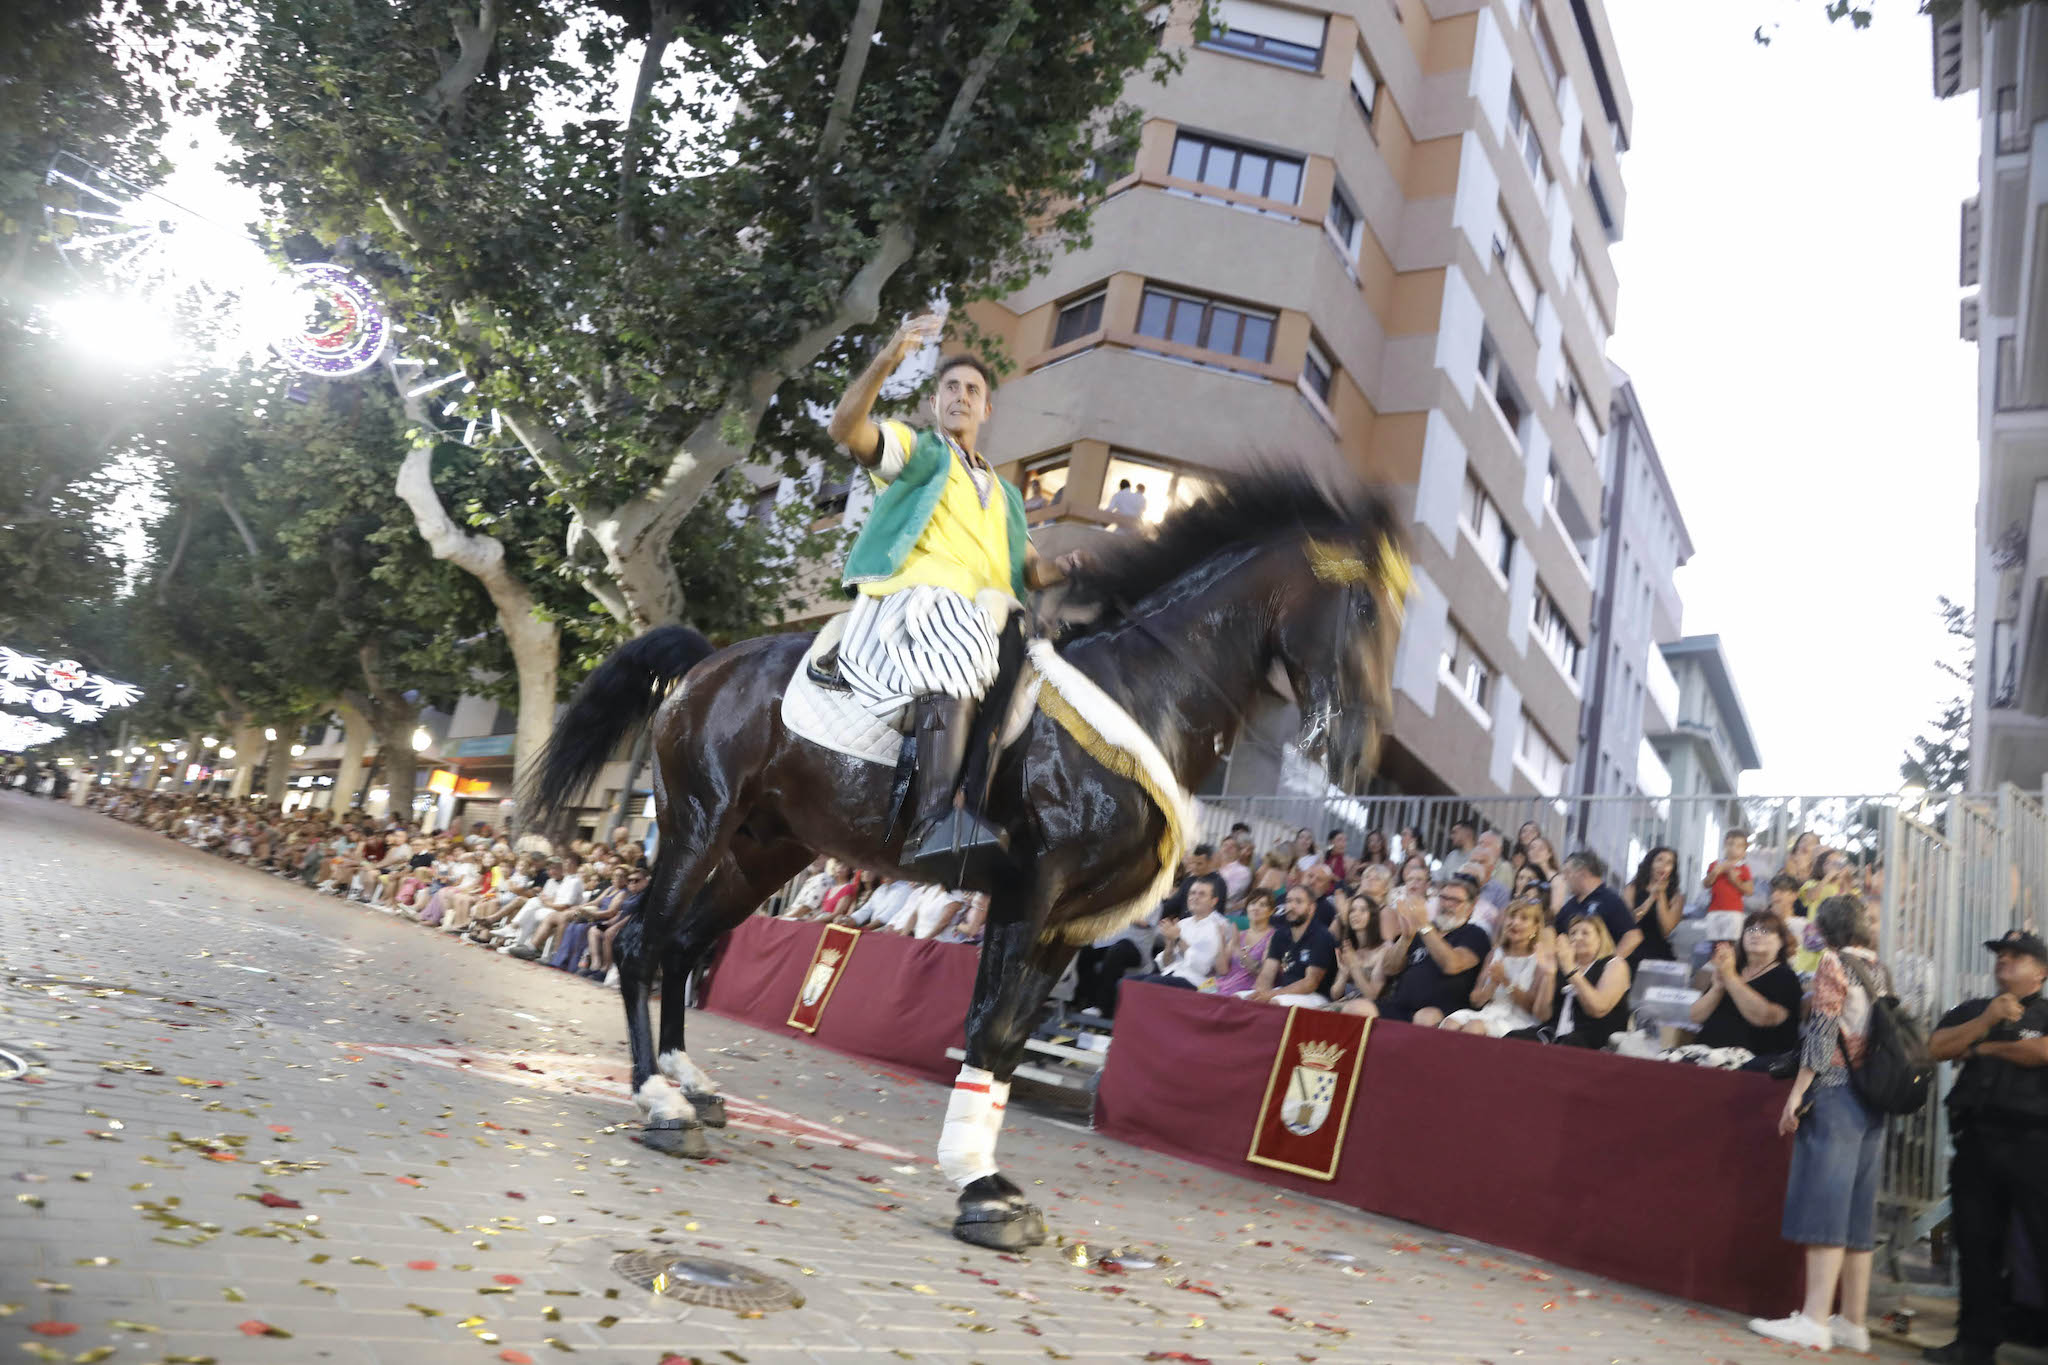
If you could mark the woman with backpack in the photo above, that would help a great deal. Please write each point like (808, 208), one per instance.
(1838, 1144)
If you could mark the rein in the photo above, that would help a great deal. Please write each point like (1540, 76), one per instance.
(1193, 665)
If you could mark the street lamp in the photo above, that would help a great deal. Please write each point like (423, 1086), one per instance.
(270, 733)
(421, 740)
(227, 751)
(298, 750)
(209, 741)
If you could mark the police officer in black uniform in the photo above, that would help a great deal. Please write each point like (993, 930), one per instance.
(1998, 1111)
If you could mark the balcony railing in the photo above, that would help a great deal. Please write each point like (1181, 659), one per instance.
(1971, 243)
(2012, 135)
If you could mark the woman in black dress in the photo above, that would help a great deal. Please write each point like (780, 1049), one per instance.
(1749, 994)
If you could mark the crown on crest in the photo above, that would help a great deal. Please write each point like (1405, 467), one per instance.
(1321, 1056)
(830, 957)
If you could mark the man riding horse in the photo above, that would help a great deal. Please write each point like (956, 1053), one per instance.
(941, 561)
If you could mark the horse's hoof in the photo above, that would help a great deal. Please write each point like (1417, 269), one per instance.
(710, 1107)
(1001, 1224)
(675, 1137)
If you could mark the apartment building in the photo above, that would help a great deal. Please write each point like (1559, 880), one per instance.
(1375, 234)
(2005, 262)
(1631, 694)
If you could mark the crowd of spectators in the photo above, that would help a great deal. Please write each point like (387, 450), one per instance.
(527, 898)
(1497, 937)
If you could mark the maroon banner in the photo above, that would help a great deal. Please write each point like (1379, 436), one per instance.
(900, 1002)
(1664, 1176)
(1301, 1122)
(814, 992)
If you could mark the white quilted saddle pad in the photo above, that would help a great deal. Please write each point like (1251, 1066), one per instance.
(836, 720)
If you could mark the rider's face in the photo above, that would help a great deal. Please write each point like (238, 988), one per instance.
(961, 403)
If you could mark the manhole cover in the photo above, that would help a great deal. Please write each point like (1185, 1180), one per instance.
(702, 1280)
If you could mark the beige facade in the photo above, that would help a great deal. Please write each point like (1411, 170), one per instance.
(1375, 234)
(2005, 263)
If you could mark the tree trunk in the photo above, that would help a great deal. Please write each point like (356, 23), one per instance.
(355, 741)
(535, 641)
(246, 740)
(401, 766)
(278, 766)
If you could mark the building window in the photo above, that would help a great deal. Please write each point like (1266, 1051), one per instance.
(1523, 140)
(1546, 55)
(1582, 290)
(1482, 518)
(1206, 324)
(1345, 226)
(1494, 378)
(1514, 264)
(1600, 204)
(1231, 167)
(1289, 36)
(1466, 669)
(1540, 758)
(1078, 319)
(1155, 488)
(1553, 633)
(1112, 161)
(1364, 86)
(1581, 409)
(1318, 372)
(1045, 482)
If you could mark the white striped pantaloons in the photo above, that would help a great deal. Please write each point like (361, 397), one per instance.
(913, 643)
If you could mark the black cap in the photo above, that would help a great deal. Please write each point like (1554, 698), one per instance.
(2019, 941)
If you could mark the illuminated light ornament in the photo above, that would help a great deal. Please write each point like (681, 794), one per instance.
(66, 675)
(16, 665)
(343, 329)
(68, 686)
(20, 732)
(107, 692)
(14, 694)
(46, 701)
(75, 709)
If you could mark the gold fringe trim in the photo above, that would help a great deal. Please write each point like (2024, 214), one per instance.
(1171, 841)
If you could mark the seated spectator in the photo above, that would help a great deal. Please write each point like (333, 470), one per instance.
(1376, 889)
(1799, 930)
(811, 895)
(1361, 948)
(563, 891)
(882, 904)
(1585, 875)
(1300, 958)
(1547, 882)
(1496, 882)
(572, 937)
(1336, 855)
(1412, 844)
(599, 957)
(1464, 838)
(1749, 994)
(1272, 873)
(1837, 878)
(1517, 987)
(1593, 979)
(1440, 955)
(1304, 850)
(1375, 849)
(1192, 947)
(1729, 882)
(937, 912)
(841, 897)
(1234, 865)
(1657, 902)
(967, 928)
(1801, 857)
(1248, 949)
(1103, 964)
(1414, 876)
(1518, 854)
(1321, 882)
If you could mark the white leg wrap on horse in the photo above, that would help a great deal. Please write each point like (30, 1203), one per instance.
(661, 1098)
(967, 1143)
(678, 1067)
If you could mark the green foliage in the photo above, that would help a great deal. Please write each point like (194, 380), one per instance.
(668, 295)
(1939, 759)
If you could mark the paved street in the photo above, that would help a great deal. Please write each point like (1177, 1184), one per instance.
(265, 1125)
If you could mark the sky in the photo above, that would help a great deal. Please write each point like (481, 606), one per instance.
(1788, 313)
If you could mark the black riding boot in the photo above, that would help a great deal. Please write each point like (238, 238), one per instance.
(948, 843)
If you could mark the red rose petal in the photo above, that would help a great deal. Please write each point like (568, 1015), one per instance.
(522, 1358)
(278, 1201)
(422, 1265)
(53, 1329)
(508, 1279)
(255, 1327)
(407, 1180)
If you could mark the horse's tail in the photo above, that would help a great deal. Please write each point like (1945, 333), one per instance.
(621, 693)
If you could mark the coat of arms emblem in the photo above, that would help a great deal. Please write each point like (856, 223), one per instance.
(820, 977)
(1311, 1088)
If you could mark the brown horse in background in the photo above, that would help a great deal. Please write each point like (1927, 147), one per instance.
(1272, 585)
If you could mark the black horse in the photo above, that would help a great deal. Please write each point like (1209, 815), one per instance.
(1272, 585)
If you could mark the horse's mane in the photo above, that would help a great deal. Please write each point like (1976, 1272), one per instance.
(1259, 506)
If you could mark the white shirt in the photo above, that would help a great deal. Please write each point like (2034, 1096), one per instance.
(1236, 877)
(560, 895)
(1125, 502)
(882, 905)
(1201, 945)
(812, 894)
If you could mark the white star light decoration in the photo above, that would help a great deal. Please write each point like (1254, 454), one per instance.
(66, 688)
(19, 732)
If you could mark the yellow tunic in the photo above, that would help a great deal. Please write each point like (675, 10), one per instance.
(966, 544)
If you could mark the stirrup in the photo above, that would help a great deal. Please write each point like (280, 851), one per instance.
(955, 848)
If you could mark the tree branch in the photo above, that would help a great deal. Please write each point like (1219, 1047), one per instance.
(970, 90)
(248, 537)
(860, 39)
(661, 30)
(451, 92)
(163, 582)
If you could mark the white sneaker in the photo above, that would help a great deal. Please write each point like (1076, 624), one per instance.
(1848, 1335)
(1797, 1330)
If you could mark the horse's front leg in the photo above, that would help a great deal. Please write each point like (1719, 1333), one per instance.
(1016, 974)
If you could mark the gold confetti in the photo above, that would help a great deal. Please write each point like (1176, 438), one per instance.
(92, 1357)
(424, 1311)
(52, 1287)
(473, 1322)
(123, 1325)
(559, 1344)
(34, 1201)
(551, 1313)
(232, 1294)
(607, 1321)
(364, 1260)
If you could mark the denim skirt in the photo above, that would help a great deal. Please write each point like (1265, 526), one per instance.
(1837, 1156)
